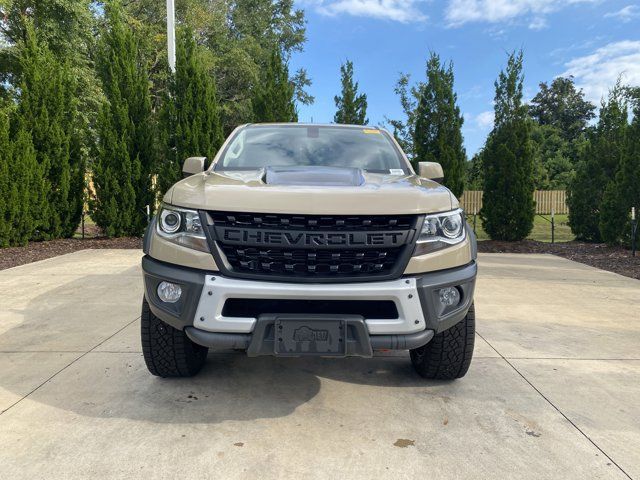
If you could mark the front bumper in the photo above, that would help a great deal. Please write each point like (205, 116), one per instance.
(200, 308)
(262, 340)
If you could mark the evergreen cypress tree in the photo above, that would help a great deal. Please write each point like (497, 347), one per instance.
(438, 125)
(403, 130)
(5, 155)
(124, 162)
(47, 109)
(352, 108)
(508, 207)
(629, 182)
(583, 195)
(190, 118)
(21, 184)
(613, 213)
(596, 170)
(27, 187)
(273, 98)
(623, 192)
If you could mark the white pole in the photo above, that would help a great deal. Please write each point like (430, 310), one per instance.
(171, 35)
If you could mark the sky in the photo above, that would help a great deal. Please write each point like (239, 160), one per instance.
(593, 40)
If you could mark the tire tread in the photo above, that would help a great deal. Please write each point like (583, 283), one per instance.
(167, 351)
(448, 355)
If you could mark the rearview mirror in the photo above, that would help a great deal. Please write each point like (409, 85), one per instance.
(193, 165)
(432, 171)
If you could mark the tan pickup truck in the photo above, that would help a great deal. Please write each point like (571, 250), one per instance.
(305, 239)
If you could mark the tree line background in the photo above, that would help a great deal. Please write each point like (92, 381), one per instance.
(85, 87)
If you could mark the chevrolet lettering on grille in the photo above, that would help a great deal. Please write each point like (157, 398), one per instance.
(302, 239)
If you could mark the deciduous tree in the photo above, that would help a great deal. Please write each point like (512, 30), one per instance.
(563, 106)
(238, 38)
(67, 28)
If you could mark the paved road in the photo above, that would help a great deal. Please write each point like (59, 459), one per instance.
(553, 391)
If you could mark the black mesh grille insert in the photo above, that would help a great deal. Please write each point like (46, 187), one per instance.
(311, 262)
(301, 247)
(250, 307)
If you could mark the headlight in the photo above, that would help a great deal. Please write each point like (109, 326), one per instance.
(440, 231)
(170, 220)
(182, 227)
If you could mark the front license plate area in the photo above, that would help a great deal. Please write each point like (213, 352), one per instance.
(301, 337)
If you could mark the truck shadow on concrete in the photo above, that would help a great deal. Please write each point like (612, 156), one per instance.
(230, 387)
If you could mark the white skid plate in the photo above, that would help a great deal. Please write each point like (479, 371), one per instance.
(218, 289)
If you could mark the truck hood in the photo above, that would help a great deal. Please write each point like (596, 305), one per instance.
(248, 191)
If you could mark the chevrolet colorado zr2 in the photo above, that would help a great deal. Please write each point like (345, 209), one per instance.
(306, 239)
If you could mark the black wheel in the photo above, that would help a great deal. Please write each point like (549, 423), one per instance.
(448, 354)
(168, 352)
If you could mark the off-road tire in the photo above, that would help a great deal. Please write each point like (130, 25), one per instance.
(448, 355)
(168, 352)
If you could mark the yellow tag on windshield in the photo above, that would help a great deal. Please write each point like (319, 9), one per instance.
(370, 130)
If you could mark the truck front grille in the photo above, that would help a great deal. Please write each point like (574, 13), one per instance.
(312, 247)
(303, 262)
(314, 222)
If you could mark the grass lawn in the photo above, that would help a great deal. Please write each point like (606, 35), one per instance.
(541, 229)
(91, 230)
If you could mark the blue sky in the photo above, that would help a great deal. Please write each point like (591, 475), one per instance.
(594, 40)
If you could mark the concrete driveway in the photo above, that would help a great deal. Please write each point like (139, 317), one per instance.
(553, 391)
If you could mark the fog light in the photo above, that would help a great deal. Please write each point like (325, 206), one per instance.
(449, 296)
(169, 292)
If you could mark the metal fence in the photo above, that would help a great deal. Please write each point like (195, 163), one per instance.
(547, 201)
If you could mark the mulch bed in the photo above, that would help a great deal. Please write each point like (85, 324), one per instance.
(14, 256)
(613, 259)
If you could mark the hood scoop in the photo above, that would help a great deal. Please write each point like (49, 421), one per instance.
(314, 176)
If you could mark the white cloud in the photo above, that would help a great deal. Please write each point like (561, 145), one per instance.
(484, 120)
(625, 14)
(538, 23)
(403, 11)
(597, 73)
(459, 12)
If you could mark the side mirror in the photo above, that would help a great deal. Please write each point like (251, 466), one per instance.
(193, 165)
(432, 171)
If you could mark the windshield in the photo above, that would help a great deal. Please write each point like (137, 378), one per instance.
(260, 146)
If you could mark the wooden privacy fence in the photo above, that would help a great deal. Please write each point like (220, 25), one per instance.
(546, 201)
